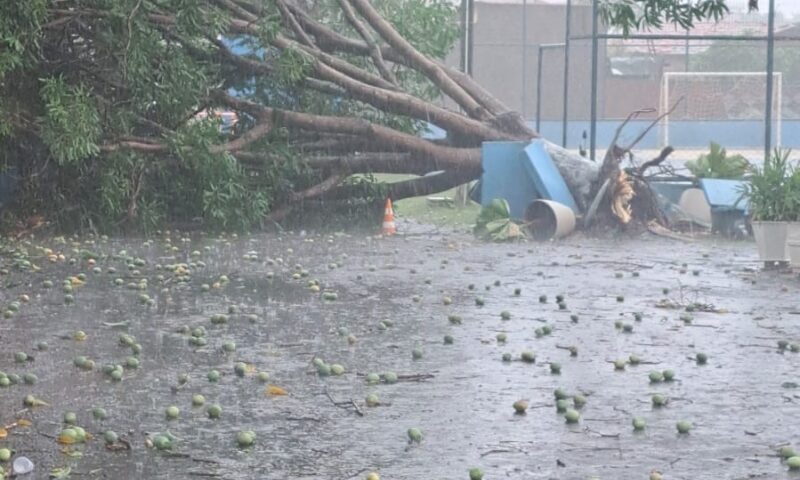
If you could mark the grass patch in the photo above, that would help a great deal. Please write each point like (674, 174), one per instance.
(422, 210)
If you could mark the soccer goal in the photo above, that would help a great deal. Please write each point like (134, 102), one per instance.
(718, 97)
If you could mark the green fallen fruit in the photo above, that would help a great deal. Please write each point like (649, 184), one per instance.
(793, 463)
(562, 404)
(198, 400)
(262, 377)
(555, 368)
(414, 435)
(501, 337)
(573, 318)
(618, 324)
(79, 361)
(20, 357)
(547, 329)
(5, 454)
(390, 377)
(136, 348)
(337, 369)
(448, 339)
(659, 400)
(669, 375)
(627, 328)
(99, 413)
(783, 344)
(80, 434)
(183, 378)
(579, 401)
(70, 418)
(528, 356)
(572, 416)
(240, 369)
(416, 354)
(447, 300)
(619, 364)
(110, 437)
(786, 452)
(683, 426)
(701, 358)
(480, 302)
(373, 378)
(30, 378)
(639, 423)
(560, 394)
(162, 442)
(520, 406)
(324, 370)
(132, 362)
(373, 476)
(229, 347)
(214, 411)
(172, 412)
(539, 333)
(213, 376)
(656, 376)
(116, 375)
(505, 315)
(68, 436)
(245, 439)
(14, 378)
(637, 316)
(475, 474)
(517, 292)
(542, 298)
(372, 400)
(634, 360)
(620, 298)
(454, 319)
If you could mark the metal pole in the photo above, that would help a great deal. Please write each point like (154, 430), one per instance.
(524, 58)
(593, 114)
(686, 53)
(464, 13)
(565, 94)
(539, 90)
(770, 75)
(471, 36)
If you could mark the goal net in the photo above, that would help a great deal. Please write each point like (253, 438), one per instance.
(717, 98)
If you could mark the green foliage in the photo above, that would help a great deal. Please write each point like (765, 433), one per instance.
(71, 124)
(773, 189)
(19, 26)
(494, 222)
(717, 164)
(629, 15)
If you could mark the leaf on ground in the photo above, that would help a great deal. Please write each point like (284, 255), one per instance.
(61, 472)
(274, 390)
(24, 422)
(250, 368)
(71, 453)
(3, 433)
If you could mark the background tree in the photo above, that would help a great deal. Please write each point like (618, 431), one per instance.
(107, 107)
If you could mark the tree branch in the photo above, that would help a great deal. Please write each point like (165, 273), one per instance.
(443, 157)
(375, 51)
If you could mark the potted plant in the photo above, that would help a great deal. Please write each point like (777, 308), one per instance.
(793, 207)
(771, 197)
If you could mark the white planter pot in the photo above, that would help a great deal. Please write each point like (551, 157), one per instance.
(794, 254)
(771, 239)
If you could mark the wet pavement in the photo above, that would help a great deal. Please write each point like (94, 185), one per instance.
(392, 296)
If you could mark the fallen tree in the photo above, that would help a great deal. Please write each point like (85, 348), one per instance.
(114, 111)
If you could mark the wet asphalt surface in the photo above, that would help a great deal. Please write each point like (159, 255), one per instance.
(743, 403)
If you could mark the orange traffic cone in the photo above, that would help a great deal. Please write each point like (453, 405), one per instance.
(388, 219)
